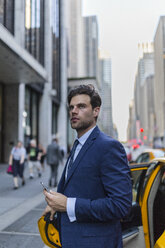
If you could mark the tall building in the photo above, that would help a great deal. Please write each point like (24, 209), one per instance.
(105, 78)
(145, 70)
(91, 46)
(159, 84)
(149, 118)
(82, 34)
(32, 60)
(75, 35)
(131, 129)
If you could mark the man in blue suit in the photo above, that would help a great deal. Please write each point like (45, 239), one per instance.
(95, 191)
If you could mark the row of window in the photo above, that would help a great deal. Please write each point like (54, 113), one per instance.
(34, 35)
(34, 31)
(34, 23)
(34, 28)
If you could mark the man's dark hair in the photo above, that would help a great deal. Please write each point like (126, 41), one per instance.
(89, 90)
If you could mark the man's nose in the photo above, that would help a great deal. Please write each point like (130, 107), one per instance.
(75, 109)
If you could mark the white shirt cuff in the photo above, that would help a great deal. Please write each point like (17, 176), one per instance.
(71, 202)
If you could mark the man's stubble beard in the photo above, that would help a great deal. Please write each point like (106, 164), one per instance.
(82, 126)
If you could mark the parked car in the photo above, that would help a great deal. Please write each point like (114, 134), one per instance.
(144, 226)
(128, 152)
(149, 154)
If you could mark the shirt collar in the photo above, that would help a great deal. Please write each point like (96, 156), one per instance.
(85, 136)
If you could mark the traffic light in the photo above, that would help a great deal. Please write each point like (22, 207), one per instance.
(141, 130)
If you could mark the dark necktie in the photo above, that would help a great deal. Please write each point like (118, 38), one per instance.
(72, 154)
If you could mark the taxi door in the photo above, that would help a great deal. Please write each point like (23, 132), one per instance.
(152, 202)
(146, 222)
(133, 235)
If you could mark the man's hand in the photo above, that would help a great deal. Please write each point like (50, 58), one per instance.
(56, 201)
(49, 210)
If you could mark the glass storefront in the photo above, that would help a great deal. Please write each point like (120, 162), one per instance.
(31, 115)
(34, 114)
(55, 22)
(34, 28)
(7, 14)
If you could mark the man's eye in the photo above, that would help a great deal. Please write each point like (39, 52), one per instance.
(81, 106)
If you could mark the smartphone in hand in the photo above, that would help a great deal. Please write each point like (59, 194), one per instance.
(44, 187)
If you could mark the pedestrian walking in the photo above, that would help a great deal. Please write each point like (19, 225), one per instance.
(43, 155)
(34, 157)
(16, 159)
(53, 156)
(94, 192)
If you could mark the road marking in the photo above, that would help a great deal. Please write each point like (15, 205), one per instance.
(20, 233)
(12, 215)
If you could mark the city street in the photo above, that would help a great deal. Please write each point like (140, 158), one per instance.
(20, 209)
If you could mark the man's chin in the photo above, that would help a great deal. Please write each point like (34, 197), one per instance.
(74, 126)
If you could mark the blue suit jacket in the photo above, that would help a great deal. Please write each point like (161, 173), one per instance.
(100, 180)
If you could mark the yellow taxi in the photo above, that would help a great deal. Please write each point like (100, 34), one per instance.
(149, 154)
(145, 225)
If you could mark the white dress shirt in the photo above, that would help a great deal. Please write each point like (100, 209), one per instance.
(71, 202)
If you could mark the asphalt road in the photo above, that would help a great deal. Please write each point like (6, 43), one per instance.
(20, 209)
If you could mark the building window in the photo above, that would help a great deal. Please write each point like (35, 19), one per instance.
(54, 118)
(2, 11)
(7, 14)
(34, 28)
(55, 23)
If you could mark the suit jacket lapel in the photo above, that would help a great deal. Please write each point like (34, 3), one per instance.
(85, 147)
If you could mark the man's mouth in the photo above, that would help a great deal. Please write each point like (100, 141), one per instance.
(74, 119)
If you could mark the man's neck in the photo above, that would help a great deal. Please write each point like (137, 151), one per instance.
(82, 132)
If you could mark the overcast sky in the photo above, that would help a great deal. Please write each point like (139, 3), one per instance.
(122, 25)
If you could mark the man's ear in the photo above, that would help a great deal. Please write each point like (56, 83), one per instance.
(96, 111)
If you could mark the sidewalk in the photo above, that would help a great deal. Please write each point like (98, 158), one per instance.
(10, 198)
(20, 210)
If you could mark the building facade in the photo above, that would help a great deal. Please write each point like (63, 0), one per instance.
(159, 85)
(131, 129)
(143, 96)
(149, 93)
(31, 62)
(105, 78)
(149, 110)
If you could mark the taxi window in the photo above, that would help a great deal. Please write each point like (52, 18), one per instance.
(137, 177)
(139, 159)
(144, 157)
(147, 175)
